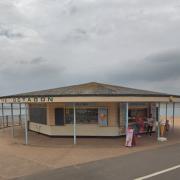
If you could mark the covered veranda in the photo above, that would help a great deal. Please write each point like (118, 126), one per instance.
(16, 122)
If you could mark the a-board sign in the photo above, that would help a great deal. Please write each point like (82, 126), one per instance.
(129, 137)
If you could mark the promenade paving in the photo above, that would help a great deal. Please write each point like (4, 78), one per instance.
(45, 153)
(127, 167)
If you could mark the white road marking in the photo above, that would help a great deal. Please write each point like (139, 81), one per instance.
(157, 173)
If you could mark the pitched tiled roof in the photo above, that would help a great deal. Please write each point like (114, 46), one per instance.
(91, 89)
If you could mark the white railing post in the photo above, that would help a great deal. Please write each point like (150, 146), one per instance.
(127, 116)
(173, 114)
(74, 123)
(159, 107)
(26, 125)
(2, 115)
(12, 119)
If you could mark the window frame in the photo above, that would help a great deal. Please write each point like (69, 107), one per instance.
(86, 109)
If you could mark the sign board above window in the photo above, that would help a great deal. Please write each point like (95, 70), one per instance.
(41, 99)
(81, 104)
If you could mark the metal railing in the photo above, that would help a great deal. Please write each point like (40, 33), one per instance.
(6, 121)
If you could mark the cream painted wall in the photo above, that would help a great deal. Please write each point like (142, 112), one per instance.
(112, 112)
(115, 118)
(81, 130)
(113, 115)
(51, 112)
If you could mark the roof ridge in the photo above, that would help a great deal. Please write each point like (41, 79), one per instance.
(125, 87)
(91, 88)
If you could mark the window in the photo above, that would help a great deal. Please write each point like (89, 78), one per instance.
(38, 114)
(83, 116)
(137, 113)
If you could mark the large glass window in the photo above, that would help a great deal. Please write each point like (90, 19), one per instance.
(138, 112)
(83, 116)
(133, 113)
(38, 114)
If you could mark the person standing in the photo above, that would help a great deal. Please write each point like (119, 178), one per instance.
(150, 122)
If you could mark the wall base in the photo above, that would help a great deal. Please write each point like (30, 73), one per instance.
(81, 130)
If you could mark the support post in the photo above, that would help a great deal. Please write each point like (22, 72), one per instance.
(20, 119)
(173, 114)
(166, 111)
(7, 123)
(75, 123)
(159, 107)
(2, 106)
(12, 119)
(26, 125)
(127, 116)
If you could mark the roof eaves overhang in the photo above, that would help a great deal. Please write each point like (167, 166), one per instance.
(89, 95)
(102, 98)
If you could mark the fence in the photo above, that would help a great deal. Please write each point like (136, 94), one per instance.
(12, 114)
(7, 120)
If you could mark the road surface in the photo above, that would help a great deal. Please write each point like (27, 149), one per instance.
(161, 163)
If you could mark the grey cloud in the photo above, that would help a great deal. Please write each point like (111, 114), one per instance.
(10, 33)
(36, 61)
(154, 68)
(21, 77)
(92, 40)
(30, 71)
(165, 57)
(77, 35)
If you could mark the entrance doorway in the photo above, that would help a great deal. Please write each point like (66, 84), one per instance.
(59, 116)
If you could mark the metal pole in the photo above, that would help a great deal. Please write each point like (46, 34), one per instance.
(75, 124)
(159, 107)
(173, 114)
(26, 125)
(20, 120)
(127, 116)
(3, 114)
(166, 111)
(1, 119)
(7, 124)
(12, 118)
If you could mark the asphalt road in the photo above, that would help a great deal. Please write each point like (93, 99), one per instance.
(125, 167)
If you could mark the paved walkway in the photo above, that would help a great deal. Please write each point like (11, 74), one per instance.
(152, 163)
(45, 153)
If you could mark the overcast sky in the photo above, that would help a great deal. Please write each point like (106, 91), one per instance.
(53, 43)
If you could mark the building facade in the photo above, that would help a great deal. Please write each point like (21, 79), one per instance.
(90, 109)
(92, 119)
